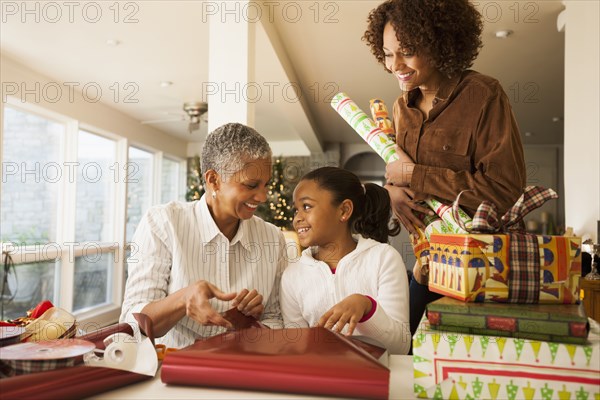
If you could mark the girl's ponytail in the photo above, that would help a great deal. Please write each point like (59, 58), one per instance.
(373, 220)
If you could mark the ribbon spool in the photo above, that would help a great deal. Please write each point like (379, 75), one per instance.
(10, 335)
(41, 356)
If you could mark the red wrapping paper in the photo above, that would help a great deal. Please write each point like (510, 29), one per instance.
(308, 361)
(72, 382)
(67, 383)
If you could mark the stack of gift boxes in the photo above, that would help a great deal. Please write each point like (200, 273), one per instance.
(527, 339)
(482, 342)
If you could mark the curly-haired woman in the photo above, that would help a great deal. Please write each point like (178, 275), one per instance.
(455, 129)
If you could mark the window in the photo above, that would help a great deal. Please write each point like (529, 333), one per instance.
(65, 196)
(26, 286)
(31, 183)
(170, 180)
(31, 177)
(94, 220)
(139, 187)
(96, 159)
(93, 277)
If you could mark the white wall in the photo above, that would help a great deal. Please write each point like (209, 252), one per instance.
(582, 122)
(97, 115)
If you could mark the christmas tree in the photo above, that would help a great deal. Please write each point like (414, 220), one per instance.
(194, 180)
(278, 208)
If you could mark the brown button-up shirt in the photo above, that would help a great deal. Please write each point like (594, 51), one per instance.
(470, 141)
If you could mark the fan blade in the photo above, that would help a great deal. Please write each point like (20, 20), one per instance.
(163, 120)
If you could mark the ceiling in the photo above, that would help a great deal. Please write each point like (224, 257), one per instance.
(316, 46)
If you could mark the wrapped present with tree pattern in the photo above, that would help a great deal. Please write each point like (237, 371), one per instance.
(497, 262)
(450, 365)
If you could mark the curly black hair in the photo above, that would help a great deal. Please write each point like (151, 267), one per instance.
(447, 31)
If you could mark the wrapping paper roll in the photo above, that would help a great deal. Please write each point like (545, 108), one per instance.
(381, 143)
(365, 127)
(381, 117)
(445, 213)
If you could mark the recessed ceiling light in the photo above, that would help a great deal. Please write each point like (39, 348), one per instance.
(528, 134)
(556, 119)
(503, 34)
(166, 83)
(113, 42)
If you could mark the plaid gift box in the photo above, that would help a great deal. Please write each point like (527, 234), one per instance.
(499, 263)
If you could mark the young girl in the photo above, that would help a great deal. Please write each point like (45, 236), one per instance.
(348, 279)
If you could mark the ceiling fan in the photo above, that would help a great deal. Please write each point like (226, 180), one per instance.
(195, 112)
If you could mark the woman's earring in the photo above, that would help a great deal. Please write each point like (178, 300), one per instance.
(214, 195)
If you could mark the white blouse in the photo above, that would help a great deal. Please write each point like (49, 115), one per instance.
(179, 243)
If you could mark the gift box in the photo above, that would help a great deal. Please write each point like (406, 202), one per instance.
(496, 261)
(448, 365)
(478, 267)
(313, 361)
(565, 323)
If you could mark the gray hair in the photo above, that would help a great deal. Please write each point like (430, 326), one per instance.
(230, 146)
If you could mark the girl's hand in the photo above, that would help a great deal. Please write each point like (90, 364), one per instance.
(197, 305)
(399, 173)
(249, 303)
(403, 205)
(348, 311)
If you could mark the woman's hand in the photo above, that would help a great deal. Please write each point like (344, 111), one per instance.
(197, 305)
(348, 311)
(403, 205)
(421, 274)
(249, 303)
(399, 172)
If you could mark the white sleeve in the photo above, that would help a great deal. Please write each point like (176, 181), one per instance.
(272, 313)
(390, 323)
(290, 308)
(149, 266)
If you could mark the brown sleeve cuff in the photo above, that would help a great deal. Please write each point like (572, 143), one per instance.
(417, 181)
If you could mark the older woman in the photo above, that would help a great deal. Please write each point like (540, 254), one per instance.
(455, 129)
(193, 261)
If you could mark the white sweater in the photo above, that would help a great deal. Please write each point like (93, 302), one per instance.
(309, 289)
